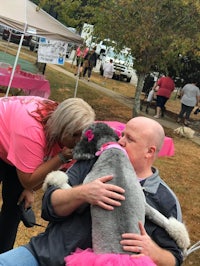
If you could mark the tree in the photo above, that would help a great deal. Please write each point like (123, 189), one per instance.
(157, 31)
(69, 12)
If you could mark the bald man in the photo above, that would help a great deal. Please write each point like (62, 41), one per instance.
(143, 139)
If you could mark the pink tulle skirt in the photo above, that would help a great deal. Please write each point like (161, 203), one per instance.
(89, 258)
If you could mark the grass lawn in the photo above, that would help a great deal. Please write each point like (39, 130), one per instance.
(181, 171)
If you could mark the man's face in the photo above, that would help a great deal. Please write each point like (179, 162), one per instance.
(134, 141)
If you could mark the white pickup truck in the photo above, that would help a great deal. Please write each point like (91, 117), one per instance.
(123, 65)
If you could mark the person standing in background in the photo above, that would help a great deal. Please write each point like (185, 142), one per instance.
(190, 96)
(81, 54)
(108, 69)
(164, 87)
(90, 62)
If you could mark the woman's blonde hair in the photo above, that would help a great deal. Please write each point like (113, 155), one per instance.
(70, 116)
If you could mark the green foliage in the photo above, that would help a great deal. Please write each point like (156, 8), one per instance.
(157, 31)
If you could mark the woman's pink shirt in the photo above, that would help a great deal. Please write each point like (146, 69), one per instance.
(22, 138)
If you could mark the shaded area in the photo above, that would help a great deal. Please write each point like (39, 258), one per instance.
(25, 65)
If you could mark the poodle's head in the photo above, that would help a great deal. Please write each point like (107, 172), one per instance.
(93, 137)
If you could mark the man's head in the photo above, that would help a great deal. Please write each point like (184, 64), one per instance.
(142, 138)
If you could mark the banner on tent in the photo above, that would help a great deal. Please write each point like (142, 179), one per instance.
(52, 51)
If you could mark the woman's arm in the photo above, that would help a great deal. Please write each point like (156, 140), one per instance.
(198, 100)
(155, 86)
(34, 180)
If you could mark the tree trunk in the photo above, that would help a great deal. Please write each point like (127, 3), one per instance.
(136, 106)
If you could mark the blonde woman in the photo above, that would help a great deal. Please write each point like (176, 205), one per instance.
(36, 137)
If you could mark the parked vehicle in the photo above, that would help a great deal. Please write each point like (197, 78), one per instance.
(15, 37)
(34, 43)
(103, 46)
(122, 62)
(2, 28)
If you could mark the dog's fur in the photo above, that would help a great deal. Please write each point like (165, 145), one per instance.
(58, 178)
(174, 228)
(184, 132)
(109, 225)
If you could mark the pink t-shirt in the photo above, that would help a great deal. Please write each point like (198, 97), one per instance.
(22, 138)
(78, 51)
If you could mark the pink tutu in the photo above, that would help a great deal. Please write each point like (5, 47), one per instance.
(89, 258)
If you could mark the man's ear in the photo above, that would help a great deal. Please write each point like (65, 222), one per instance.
(151, 151)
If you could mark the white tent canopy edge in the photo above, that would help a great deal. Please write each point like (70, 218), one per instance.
(24, 15)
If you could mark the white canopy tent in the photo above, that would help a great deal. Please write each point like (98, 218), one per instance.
(25, 16)
(28, 18)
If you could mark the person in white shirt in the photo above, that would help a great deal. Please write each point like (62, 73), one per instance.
(190, 96)
(108, 70)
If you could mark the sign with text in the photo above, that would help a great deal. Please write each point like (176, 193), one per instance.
(51, 51)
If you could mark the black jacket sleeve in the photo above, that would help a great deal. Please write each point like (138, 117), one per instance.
(76, 174)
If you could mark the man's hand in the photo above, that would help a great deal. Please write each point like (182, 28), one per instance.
(97, 192)
(141, 244)
(144, 245)
(103, 194)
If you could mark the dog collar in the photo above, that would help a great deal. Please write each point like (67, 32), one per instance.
(110, 145)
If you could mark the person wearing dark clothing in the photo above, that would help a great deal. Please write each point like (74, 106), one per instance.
(148, 84)
(89, 63)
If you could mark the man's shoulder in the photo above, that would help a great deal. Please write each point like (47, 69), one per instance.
(168, 202)
(160, 196)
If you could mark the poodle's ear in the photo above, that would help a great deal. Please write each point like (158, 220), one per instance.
(92, 139)
(85, 149)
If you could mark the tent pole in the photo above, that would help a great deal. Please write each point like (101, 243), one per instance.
(77, 78)
(15, 64)
(44, 68)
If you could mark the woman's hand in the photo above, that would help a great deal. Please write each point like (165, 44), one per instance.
(67, 153)
(28, 196)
